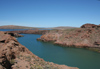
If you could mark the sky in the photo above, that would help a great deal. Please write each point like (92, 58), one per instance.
(49, 13)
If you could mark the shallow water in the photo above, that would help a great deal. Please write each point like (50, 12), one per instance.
(76, 57)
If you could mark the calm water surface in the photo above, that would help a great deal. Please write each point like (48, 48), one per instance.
(19, 29)
(76, 57)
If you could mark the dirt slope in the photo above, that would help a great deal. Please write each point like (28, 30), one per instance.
(13, 55)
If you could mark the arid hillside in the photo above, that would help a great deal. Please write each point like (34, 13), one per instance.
(24, 27)
(63, 27)
(29, 31)
(88, 37)
(16, 27)
(13, 55)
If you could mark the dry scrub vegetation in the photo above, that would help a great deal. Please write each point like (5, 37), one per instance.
(78, 37)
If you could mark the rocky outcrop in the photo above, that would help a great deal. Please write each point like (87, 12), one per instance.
(14, 34)
(49, 37)
(13, 55)
(29, 31)
(79, 37)
(90, 26)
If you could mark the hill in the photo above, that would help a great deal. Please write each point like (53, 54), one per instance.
(13, 55)
(84, 37)
(25, 27)
(64, 27)
(16, 27)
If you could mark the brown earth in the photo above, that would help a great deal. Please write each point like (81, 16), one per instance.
(29, 31)
(16, 27)
(63, 27)
(24, 27)
(88, 25)
(78, 37)
(13, 55)
(14, 34)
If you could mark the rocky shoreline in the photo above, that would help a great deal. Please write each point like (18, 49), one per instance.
(84, 37)
(14, 34)
(87, 36)
(29, 31)
(13, 55)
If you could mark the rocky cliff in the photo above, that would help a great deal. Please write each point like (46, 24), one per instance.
(13, 55)
(14, 34)
(79, 37)
(88, 25)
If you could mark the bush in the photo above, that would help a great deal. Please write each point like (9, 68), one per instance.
(12, 61)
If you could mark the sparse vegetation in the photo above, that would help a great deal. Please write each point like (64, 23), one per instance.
(77, 37)
(31, 68)
(12, 61)
(15, 58)
(38, 67)
(47, 67)
(26, 66)
(17, 67)
(28, 58)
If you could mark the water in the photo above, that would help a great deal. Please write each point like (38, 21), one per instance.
(12, 29)
(75, 57)
(20, 29)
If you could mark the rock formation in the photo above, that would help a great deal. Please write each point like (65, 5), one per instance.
(90, 26)
(14, 34)
(29, 31)
(79, 37)
(13, 55)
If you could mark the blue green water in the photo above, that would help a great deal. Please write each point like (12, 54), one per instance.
(19, 29)
(75, 57)
(12, 29)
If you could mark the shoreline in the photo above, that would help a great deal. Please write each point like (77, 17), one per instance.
(56, 41)
(95, 49)
(13, 55)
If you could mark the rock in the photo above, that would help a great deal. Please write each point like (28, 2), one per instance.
(90, 26)
(96, 43)
(29, 31)
(80, 37)
(13, 55)
(14, 34)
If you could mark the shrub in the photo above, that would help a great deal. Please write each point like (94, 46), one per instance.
(12, 61)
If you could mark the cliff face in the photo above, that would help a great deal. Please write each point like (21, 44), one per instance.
(80, 37)
(13, 55)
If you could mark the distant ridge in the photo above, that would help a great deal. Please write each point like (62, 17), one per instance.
(64, 27)
(16, 27)
(25, 27)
